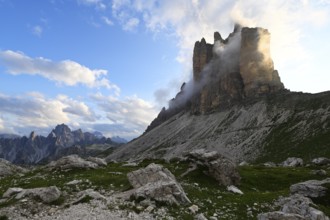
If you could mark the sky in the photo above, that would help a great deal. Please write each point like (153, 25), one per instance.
(111, 65)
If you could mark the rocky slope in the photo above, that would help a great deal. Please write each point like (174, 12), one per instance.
(60, 142)
(237, 105)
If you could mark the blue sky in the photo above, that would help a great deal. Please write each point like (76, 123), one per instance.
(110, 65)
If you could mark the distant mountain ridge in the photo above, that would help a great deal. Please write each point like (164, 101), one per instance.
(60, 141)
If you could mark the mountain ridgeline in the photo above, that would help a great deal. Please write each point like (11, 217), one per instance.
(60, 142)
(237, 105)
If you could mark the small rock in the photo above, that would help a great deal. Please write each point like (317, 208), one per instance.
(74, 182)
(319, 172)
(11, 191)
(234, 189)
(149, 209)
(270, 164)
(91, 193)
(200, 216)
(243, 163)
(193, 209)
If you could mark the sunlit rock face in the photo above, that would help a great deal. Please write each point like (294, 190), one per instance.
(256, 65)
(225, 73)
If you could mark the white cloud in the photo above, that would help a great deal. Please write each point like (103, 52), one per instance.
(33, 111)
(107, 20)
(132, 114)
(99, 4)
(37, 30)
(64, 72)
(131, 24)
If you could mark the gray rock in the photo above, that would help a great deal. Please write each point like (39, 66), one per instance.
(244, 163)
(293, 162)
(71, 162)
(270, 164)
(278, 215)
(11, 191)
(193, 209)
(221, 168)
(319, 172)
(234, 189)
(321, 161)
(310, 188)
(46, 194)
(157, 183)
(98, 161)
(300, 205)
(91, 193)
(7, 168)
(200, 216)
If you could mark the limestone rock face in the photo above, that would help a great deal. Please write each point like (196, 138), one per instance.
(157, 183)
(202, 55)
(225, 73)
(256, 64)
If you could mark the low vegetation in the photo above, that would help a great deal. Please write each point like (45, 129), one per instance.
(261, 186)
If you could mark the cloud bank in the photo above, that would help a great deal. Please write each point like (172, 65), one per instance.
(110, 115)
(65, 72)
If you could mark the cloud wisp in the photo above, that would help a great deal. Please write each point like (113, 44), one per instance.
(65, 72)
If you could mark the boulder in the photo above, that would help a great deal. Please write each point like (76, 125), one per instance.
(293, 162)
(321, 161)
(71, 162)
(270, 164)
(12, 191)
(295, 207)
(45, 194)
(91, 193)
(7, 168)
(157, 183)
(319, 172)
(98, 161)
(219, 167)
(300, 205)
(310, 188)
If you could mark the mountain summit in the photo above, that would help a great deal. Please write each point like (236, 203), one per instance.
(227, 72)
(237, 105)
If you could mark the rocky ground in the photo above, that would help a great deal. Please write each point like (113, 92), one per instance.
(193, 188)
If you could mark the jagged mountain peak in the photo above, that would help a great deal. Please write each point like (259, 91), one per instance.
(237, 105)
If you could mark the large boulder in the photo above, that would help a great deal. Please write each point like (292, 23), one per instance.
(71, 162)
(45, 194)
(157, 183)
(220, 167)
(7, 168)
(321, 161)
(293, 162)
(310, 188)
(295, 207)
